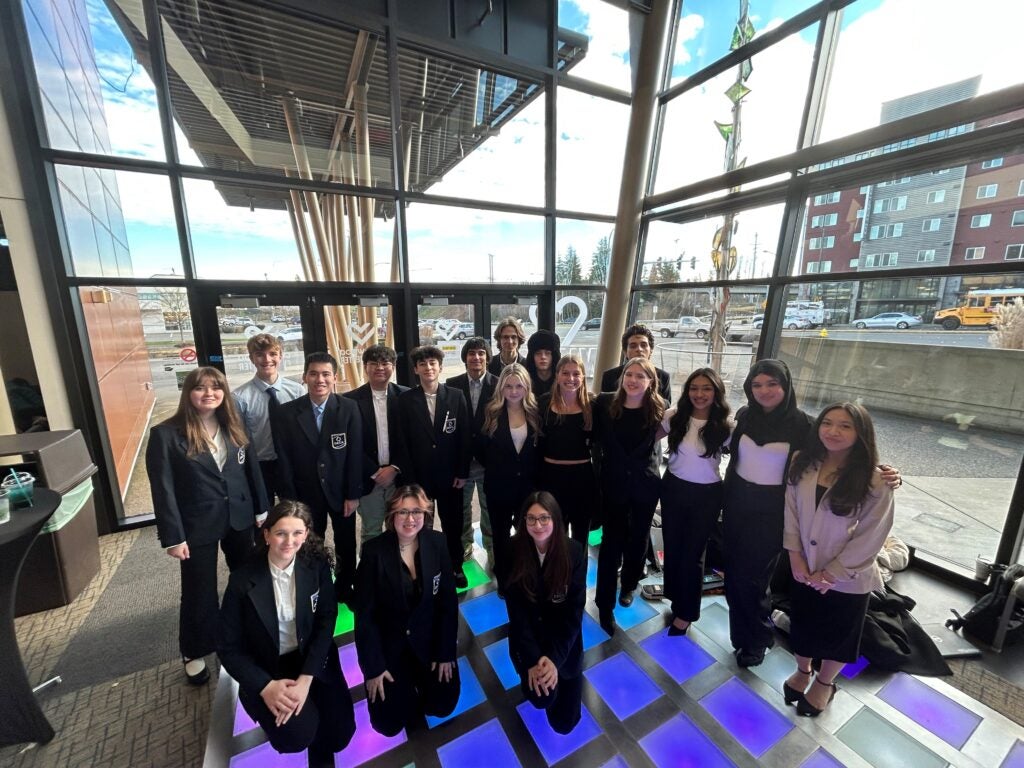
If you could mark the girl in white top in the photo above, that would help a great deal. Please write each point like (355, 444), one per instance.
(698, 429)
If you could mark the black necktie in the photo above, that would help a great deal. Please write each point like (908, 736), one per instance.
(274, 403)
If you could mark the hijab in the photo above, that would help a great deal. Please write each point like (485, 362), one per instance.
(783, 424)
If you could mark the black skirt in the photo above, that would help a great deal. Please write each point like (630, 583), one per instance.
(826, 626)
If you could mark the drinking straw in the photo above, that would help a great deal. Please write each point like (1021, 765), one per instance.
(21, 488)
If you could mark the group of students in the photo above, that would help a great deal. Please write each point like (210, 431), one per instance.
(545, 471)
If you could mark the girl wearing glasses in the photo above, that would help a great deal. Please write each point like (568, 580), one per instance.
(207, 492)
(545, 593)
(289, 677)
(506, 446)
(407, 617)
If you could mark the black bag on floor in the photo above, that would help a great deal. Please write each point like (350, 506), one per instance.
(982, 620)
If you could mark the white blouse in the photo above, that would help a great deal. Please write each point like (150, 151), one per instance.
(687, 461)
(762, 464)
(284, 599)
(519, 436)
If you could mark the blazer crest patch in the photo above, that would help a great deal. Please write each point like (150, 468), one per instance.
(241, 455)
(437, 583)
(449, 425)
(313, 600)
(339, 440)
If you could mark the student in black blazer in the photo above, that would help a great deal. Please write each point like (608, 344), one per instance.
(379, 471)
(546, 591)
(477, 386)
(207, 490)
(511, 337)
(507, 447)
(319, 461)
(436, 450)
(637, 341)
(276, 638)
(407, 617)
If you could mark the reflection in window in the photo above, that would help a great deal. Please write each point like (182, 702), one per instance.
(591, 145)
(578, 324)
(449, 244)
(582, 251)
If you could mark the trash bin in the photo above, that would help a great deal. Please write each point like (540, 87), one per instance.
(66, 554)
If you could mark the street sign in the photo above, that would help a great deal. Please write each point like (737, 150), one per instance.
(188, 355)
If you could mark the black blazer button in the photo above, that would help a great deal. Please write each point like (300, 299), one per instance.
(814, 543)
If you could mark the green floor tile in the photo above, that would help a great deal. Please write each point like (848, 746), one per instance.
(346, 620)
(594, 539)
(475, 575)
(884, 745)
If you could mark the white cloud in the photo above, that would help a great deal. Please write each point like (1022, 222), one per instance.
(690, 27)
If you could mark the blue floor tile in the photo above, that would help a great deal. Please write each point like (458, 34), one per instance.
(681, 744)
(679, 656)
(751, 720)
(592, 632)
(821, 759)
(853, 669)
(497, 655)
(1015, 757)
(554, 746)
(951, 722)
(591, 573)
(639, 612)
(625, 687)
(488, 739)
(470, 694)
(484, 613)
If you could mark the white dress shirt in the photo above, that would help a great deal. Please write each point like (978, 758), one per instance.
(284, 599)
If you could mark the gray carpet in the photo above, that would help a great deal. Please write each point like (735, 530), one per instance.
(134, 625)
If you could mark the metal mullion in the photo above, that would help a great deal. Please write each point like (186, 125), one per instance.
(825, 48)
(605, 218)
(592, 88)
(462, 202)
(276, 182)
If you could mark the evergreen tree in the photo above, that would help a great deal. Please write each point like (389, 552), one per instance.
(598, 274)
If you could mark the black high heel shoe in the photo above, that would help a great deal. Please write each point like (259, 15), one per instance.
(791, 694)
(805, 708)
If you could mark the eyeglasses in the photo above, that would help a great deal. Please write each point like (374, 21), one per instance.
(540, 520)
(410, 512)
(380, 363)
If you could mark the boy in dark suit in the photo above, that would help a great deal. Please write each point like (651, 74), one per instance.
(637, 341)
(436, 451)
(477, 386)
(319, 442)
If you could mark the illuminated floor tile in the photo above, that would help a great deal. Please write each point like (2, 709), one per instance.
(751, 720)
(592, 632)
(821, 759)
(265, 756)
(951, 722)
(682, 744)
(555, 746)
(346, 620)
(714, 622)
(639, 612)
(850, 671)
(488, 739)
(616, 762)
(243, 722)
(679, 656)
(497, 654)
(470, 693)
(350, 665)
(475, 575)
(366, 744)
(624, 687)
(1015, 757)
(594, 539)
(484, 613)
(591, 573)
(884, 745)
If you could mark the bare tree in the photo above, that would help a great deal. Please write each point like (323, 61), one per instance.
(174, 305)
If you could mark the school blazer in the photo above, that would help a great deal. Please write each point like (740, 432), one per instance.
(495, 366)
(428, 454)
(551, 626)
(507, 473)
(247, 633)
(610, 382)
(193, 500)
(330, 460)
(363, 398)
(487, 387)
(626, 476)
(384, 625)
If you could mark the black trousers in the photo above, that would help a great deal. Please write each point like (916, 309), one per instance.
(416, 691)
(197, 617)
(448, 504)
(563, 705)
(324, 726)
(627, 531)
(269, 471)
(344, 544)
(689, 512)
(574, 487)
(752, 530)
(503, 511)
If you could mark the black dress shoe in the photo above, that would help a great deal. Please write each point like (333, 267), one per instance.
(791, 694)
(196, 677)
(747, 658)
(608, 622)
(626, 597)
(674, 631)
(461, 582)
(805, 708)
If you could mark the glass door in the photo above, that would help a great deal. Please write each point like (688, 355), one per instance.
(350, 327)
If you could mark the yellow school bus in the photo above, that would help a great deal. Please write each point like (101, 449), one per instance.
(977, 309)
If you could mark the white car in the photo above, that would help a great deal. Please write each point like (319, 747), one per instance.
(292, 333)
(790, 322)
(900, 320)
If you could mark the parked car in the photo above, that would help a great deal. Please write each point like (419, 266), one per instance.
(451, 330)
(743, 329)
(292, 333)
(899, 320)
(278, 319)
(592, 324)
(789, 322)
(687, 324)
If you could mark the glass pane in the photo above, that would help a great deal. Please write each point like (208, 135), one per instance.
(952, 216)
(942, 402)
(911, 79)
(119, 223)
(734, 246)
(263, 234)
(606, 47)
(238, 325)
(740, 117)
(463, 245)
(96, 93)
(447, 327)
(350, 330)
(583, 249)
(473, 133)
(591, 145)
(257, 89)
(142, 347)
(578, 323)
(710, 29)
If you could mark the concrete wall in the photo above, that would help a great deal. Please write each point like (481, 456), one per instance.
(924, 381)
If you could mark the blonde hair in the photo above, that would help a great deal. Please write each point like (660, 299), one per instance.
(188, 421)
(497, 404)
(583, 397)
(653, 405)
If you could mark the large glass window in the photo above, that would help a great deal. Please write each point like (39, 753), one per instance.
(590, 150)
(606, 29)
(582, 251)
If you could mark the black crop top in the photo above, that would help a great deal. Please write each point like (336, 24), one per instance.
(564, 437)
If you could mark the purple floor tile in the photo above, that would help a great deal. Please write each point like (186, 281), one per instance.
(484, 613)
(470, 694)
(350, 665)
(265, 756)
(930, 709)
(555, 746)
(679, 656)
(243, 722)
(682, 744)
(366, 744)
(751, 720)
(850, 671)
(821, 759)
(497, 655)
(625, 687)
(1015, 757)
(488, 739)
(616, 762)
(592, 632)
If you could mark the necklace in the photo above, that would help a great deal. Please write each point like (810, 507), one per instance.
(403, 547)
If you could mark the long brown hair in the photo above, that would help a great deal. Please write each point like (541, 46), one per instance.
(188, 421)
(853, 482)
(403, 492)
(582, 397)
(313, 549)
(497, 403)
(716, 431)
(557, 562)
(653, 406)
